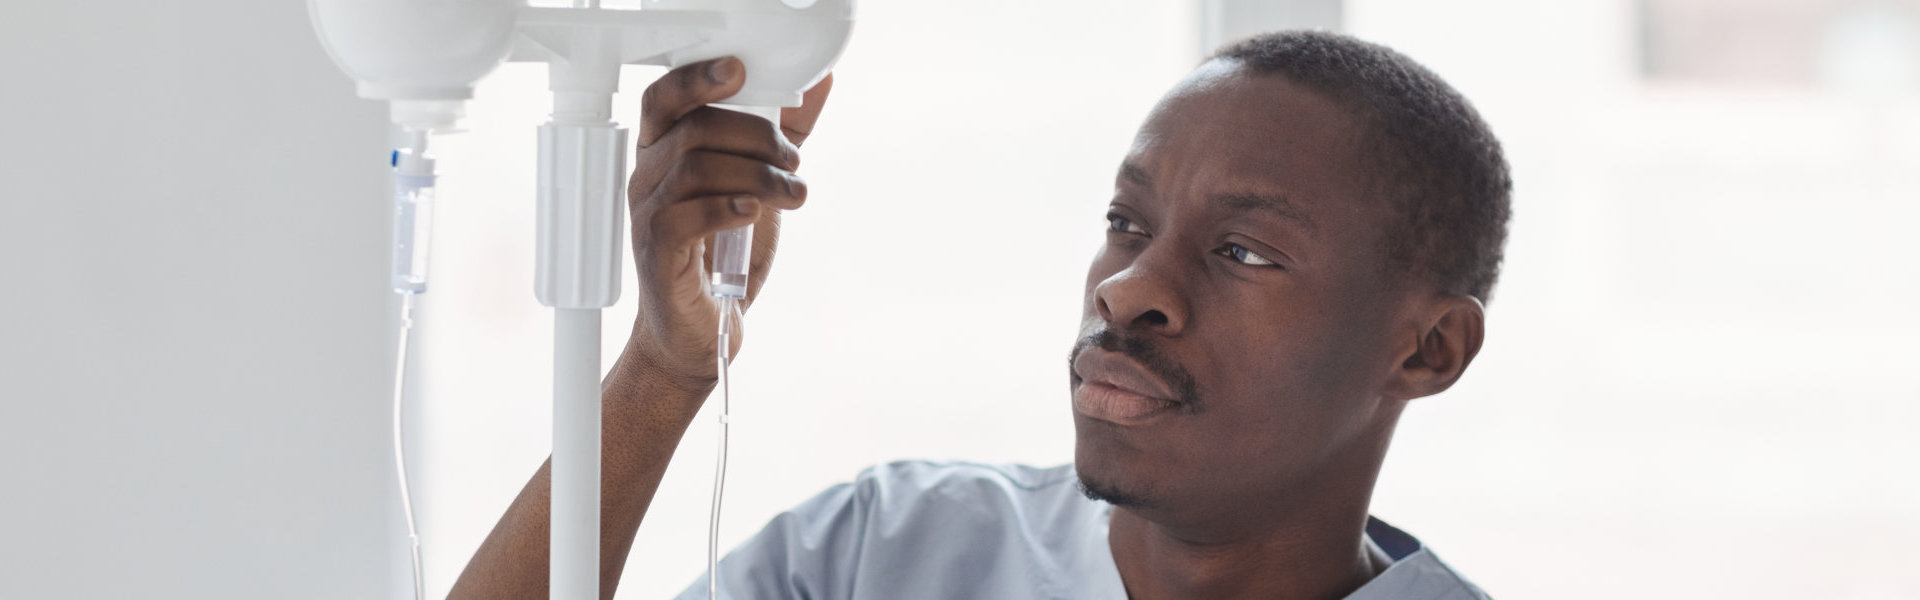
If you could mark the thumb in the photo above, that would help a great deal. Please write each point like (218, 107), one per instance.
(798, 122)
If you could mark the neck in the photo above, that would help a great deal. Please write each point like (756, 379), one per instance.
(1308, 546)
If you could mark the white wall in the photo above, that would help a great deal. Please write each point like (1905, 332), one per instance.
(1223, 21)
(1698, 375)
(193, 336)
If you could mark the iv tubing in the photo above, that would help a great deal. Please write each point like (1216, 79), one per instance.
(399, 440)
(729, 310)
(413, 197)
(732, 253)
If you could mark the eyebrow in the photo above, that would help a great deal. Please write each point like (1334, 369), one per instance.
(1278, 206)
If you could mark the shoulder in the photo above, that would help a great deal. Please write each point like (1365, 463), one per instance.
(1416, 571)
(964, 491)
(917, 493)
(1424, 575)
(923, 480)
(917, 525)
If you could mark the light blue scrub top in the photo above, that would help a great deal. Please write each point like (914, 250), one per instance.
(913, 530)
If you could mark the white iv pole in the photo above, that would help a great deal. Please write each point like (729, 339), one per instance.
(424, 57)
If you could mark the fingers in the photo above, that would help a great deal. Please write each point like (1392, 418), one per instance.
(685, 89)
(797, 123)
(712, 173)
(701, 170)
(733, 132)
(766, 238)
(679, 226)
(690, 87)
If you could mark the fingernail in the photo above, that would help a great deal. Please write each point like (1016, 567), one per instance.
(719, 71)
(743, 205)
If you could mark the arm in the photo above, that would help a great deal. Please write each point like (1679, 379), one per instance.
(698, 170)
(644, 420)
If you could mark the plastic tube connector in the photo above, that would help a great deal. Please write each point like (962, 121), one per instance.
(733, 248)
(413, 199)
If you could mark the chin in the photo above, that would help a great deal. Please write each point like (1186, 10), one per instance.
(1104, 470)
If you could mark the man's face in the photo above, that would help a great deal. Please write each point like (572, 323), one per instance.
(1236, 329)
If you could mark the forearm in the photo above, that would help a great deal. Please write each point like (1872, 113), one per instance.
(642, 421)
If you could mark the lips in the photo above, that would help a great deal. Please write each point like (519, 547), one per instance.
(1116, 389)
(1116, 370)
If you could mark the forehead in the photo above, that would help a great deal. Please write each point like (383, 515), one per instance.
(1227, 129)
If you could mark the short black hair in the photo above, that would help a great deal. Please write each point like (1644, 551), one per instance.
(1447, 178)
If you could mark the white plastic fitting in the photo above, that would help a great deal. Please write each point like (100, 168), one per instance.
(733, 248)
(786, 50)
(413, 191)
(580, 211)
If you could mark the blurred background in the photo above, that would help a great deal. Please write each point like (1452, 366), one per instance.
(1699, 378)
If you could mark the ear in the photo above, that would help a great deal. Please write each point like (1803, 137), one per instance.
(1447, 335)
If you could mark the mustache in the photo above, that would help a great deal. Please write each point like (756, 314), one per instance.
(1143, 351)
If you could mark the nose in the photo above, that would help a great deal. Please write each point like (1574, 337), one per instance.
(1144, 297)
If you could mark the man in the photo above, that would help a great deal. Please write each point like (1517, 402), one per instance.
(1300, 242)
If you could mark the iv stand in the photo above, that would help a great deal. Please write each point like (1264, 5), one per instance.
(424, 57)
(581, 210)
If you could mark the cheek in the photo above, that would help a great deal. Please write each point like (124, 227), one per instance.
(1296, 368)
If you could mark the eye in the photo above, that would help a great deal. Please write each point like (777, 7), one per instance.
(1119, 224)
(1242, 255)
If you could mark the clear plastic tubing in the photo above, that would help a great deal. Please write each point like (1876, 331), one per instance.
(729, 312)
(732, 250)
(399, 440)
(413, 184)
